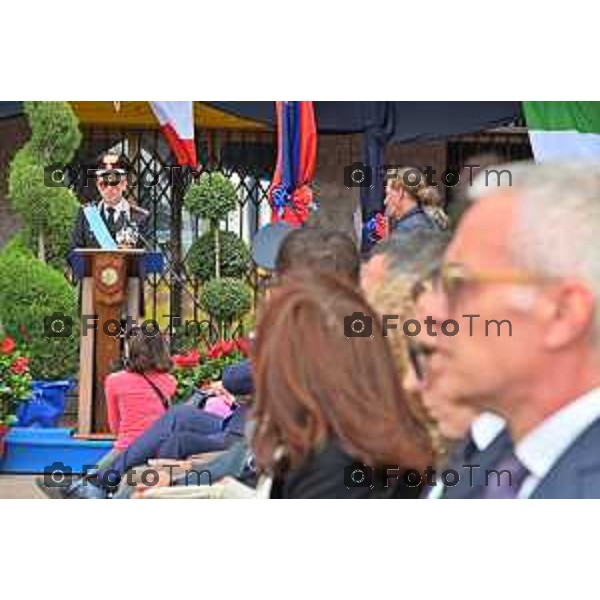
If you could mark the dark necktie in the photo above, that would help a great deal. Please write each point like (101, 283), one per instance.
(505, 486)
(110, 220)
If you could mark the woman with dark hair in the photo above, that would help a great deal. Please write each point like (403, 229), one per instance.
(146, 425)
(327, 399)
(141, 393)
(137, 397)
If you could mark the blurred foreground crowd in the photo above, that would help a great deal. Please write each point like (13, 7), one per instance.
(456, 361)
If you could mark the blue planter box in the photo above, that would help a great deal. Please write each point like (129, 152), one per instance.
(47, 404)
(32, 450)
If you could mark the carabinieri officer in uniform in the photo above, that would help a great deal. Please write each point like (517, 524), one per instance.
(112, 223)
(124, 222)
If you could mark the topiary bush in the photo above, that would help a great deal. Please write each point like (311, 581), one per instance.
(234, 256)
(17, 245)
(30, 291)
(47, 213)
(211, 197)
(218, 259)
(55, 134)
(226, 299)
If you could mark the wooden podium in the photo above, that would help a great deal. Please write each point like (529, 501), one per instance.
(110, 291)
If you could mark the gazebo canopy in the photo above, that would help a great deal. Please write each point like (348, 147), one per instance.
(138, 114)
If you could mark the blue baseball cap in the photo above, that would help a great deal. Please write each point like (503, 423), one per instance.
(266, 243)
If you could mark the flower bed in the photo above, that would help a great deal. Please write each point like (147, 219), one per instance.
(15, 383)
(195, 370)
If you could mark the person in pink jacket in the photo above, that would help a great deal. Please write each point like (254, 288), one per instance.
(141, 393)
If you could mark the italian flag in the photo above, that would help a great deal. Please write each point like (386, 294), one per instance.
(177, 124)
(563, 130)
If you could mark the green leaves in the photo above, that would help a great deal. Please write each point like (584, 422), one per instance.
(15, 381)
(55, 134)
(211, 197)
(234, 256)
(47, 213)
(30, 291)
(226, 299)
(208, 371)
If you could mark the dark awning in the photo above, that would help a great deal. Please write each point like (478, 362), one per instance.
(396, 121)
(401, 121)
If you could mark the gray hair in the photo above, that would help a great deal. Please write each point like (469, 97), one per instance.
(557, 229)
(413, 253)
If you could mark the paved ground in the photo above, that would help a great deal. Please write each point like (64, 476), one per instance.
(19, 486)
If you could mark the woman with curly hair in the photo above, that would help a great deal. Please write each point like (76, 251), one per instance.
(390, 279)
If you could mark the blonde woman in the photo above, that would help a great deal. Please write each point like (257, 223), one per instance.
(411, 203)
(389, 280)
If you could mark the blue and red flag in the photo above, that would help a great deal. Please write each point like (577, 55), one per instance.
(290, 195)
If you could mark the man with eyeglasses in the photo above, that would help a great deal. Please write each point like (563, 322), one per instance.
(393, 279)
(526, 252)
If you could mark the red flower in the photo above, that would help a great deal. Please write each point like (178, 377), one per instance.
(19, 365)
(215, 351)
(222, 348)
(228, 347)
(7, 346)
(243, 345)
(191, 359)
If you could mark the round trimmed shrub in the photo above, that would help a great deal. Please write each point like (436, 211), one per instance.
(226, 299)
(31, 291)
(17, 245)
(211, 197)
(234, 256)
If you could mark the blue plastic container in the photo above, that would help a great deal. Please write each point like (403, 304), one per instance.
(35, 450)
(47, 404)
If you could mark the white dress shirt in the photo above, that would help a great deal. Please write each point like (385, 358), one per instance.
(485, 428)
(121, 207)
(542, 447)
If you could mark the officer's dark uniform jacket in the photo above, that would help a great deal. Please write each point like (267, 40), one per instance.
(83, 237)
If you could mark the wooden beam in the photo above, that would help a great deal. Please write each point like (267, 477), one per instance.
(86, 361)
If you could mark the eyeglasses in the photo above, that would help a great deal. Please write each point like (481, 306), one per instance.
(451, 278)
